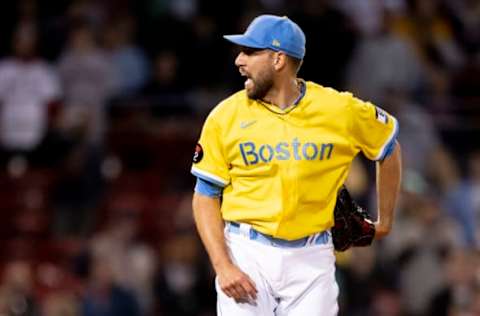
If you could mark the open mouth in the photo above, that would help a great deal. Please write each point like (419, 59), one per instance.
(249, 82)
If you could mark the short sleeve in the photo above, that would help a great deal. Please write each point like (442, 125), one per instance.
(207, 188)
(209, 162)
(373, 130)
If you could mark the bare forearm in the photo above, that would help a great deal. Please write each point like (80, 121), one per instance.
(389, 173)
(208, 219)
(233, 282)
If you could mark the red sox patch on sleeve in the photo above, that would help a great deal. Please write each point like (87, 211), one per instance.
(381, 115)
(198, 155)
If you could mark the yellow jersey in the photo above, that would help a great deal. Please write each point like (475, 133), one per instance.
(280, 169)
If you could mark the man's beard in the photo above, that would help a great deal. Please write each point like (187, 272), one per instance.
(261, 86)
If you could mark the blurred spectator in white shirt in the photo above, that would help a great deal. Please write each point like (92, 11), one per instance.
(27, 86)
(88, 78)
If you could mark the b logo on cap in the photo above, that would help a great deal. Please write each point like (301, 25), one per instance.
(276, 43)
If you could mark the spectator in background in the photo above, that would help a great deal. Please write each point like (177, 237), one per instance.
(388, 60)
(28, 86)
(206, 89)
(462, 201)
(75, 194)
(103, 296)
(205, 43)
(183, 277)
(16, 290)
(474, 307)
(458, 294)
(464, 110)
(331, 41)
(387, 302)
(368, 15)
(466, 82)
(89, 81)
(164, 94)
(361, 280)
(466, 18)
(60, 304)
(474, 187)
(427, 158)
(425, 153)
(129, 61)
(181, 10)
(421, 238)
(92, 11)
(426, 27)
(131, 263)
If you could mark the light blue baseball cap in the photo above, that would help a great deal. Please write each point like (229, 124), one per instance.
(272, 32)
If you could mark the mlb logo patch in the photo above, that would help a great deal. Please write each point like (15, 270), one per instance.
(381, 115)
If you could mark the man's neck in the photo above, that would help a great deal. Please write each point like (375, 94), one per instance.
(284, 93)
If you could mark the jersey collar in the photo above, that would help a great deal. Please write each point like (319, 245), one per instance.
(276, 109)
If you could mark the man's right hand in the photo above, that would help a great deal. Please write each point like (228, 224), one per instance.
(236, 284)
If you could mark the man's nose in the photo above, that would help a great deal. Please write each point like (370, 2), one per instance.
(240, 60)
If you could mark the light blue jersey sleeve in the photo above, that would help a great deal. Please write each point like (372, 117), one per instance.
(207, 188)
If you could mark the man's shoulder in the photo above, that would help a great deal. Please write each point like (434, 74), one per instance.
(328, 95)
(235, 99)
(230, 104)
(318, 89)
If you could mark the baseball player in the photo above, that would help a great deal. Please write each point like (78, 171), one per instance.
(269, 163)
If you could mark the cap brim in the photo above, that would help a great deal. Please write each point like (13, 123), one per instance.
(242, 40)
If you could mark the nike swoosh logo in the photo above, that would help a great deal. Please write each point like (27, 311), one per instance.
(247, 124)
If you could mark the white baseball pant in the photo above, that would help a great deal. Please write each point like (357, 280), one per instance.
(290, 280)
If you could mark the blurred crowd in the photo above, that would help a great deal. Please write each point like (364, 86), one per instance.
(102, 101)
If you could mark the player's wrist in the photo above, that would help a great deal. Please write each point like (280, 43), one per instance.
(384, 221)
(382, 229)
(221, 264)
(383, 225)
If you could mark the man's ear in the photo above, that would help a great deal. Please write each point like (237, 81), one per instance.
(279, 60)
